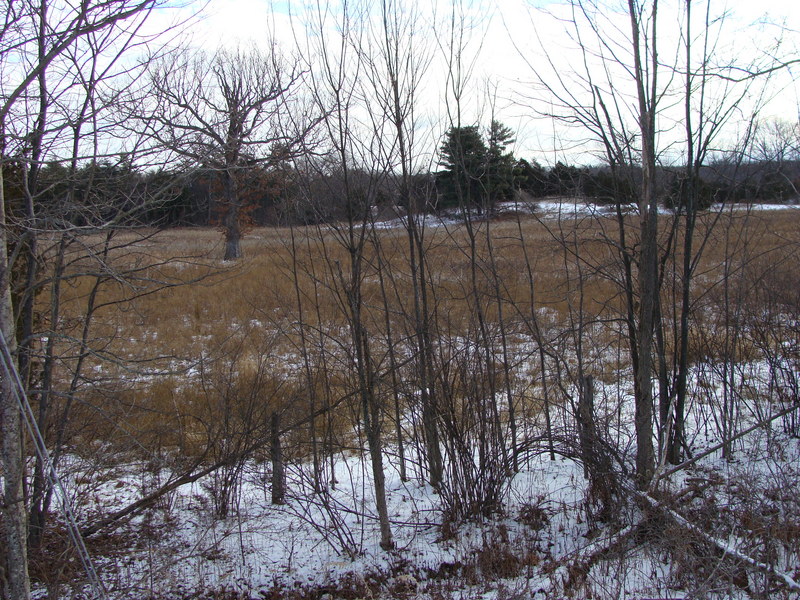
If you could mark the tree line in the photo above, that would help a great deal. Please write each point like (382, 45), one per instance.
(270, 195)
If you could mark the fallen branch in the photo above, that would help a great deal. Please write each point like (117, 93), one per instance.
(744, 432)
(588, 555)
(190, 476)
(139, 505)
(726, 548)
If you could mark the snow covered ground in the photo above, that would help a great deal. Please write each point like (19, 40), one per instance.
(549, 209)
(542, 544)
(327, 543)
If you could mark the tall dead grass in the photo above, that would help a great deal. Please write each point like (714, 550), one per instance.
(254, 303)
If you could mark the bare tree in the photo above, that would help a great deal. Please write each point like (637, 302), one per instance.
(626, 50)
(646, 76)
(396, 61)
(477, 407)
(225, 112)
(350, 182)
(35, 37)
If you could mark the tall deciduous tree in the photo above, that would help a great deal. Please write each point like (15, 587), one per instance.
(644, 28)
(33, 37)
(397, 58)
(336, 91)
(627, 95)
(225, 112)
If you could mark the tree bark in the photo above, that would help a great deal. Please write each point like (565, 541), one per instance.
(648, 257)
(276, 454)
(371, 409)
(16, 583)
(233, 229)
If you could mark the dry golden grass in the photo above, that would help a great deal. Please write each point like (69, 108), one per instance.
(244, 318)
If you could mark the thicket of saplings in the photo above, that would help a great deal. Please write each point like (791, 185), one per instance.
(211, 374)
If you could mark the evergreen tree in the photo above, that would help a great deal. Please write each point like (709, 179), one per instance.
(500, 173)
(565, 180)
(531, 177)
(464, 158)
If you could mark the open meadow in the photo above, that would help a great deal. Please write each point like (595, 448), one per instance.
(265, 428)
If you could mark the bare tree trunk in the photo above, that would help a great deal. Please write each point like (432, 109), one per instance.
(585, 418)
(422, 317)
(276, 455)
(309, 375)
(322, 357)
(645, 457)
(233, 228)
(30, 253)
(425, 368)
(603, 487)
(372, 426)
(370, 405)
(41, 489)
(16, 583)
(648, 258)
(676, 439)
(393, 365)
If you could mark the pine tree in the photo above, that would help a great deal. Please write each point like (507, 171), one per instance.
(500, 165)
(464, 158)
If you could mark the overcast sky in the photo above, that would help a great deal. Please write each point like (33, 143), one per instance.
(508, 38)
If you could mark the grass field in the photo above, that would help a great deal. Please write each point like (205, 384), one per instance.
(186, 359)
(247, 315)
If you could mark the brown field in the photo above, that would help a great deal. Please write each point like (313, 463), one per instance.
(190, 338)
